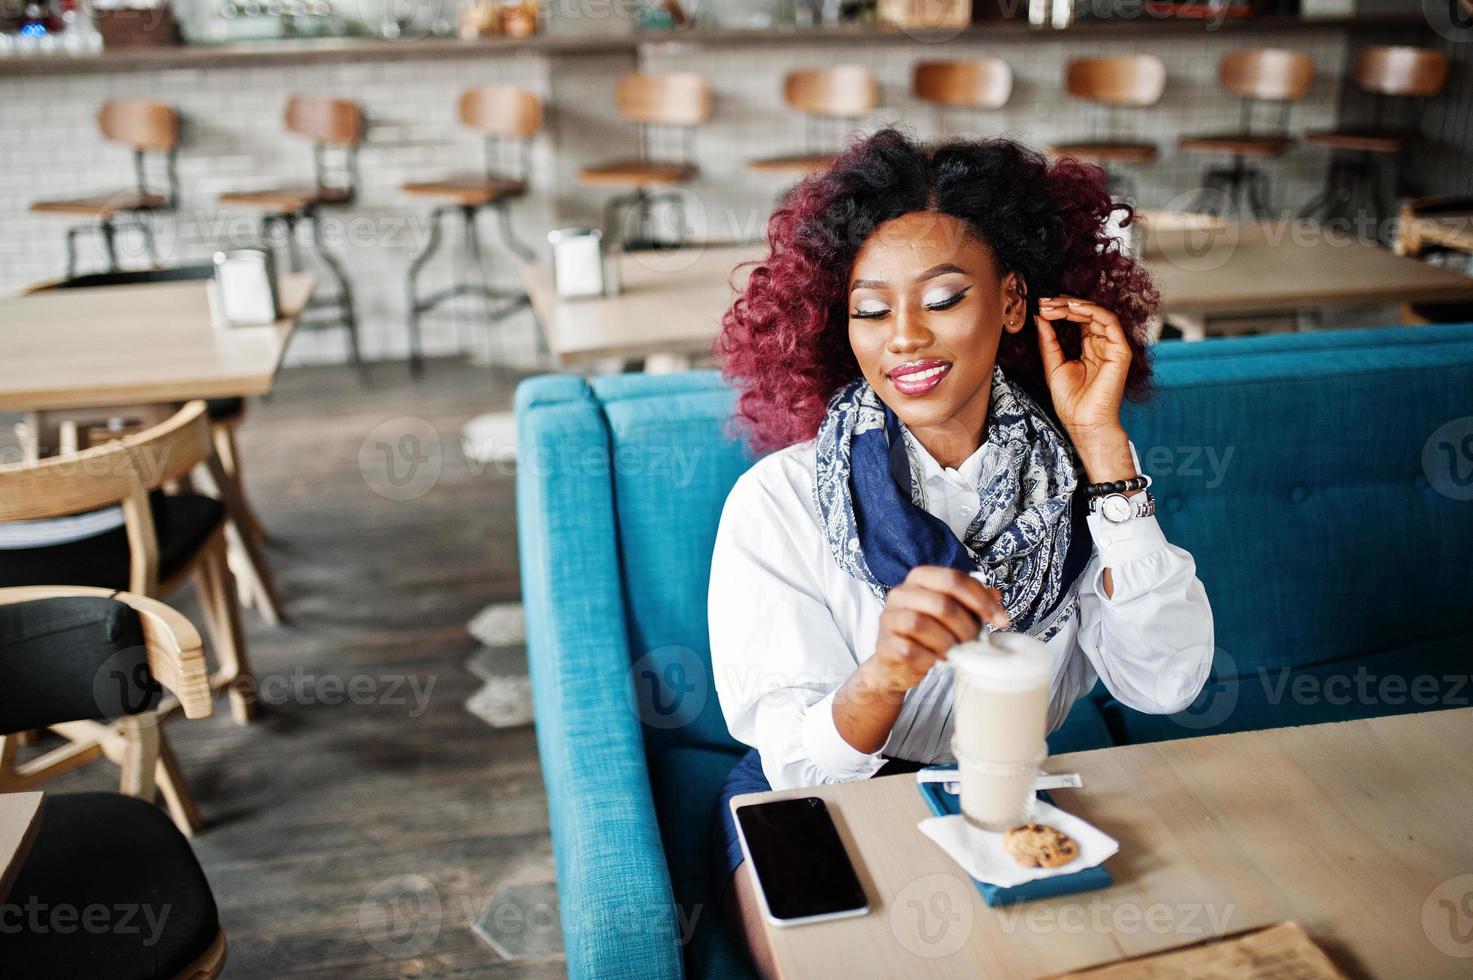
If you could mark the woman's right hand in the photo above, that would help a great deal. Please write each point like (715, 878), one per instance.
(934, 609)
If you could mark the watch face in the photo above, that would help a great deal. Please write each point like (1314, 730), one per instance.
(1116, 508)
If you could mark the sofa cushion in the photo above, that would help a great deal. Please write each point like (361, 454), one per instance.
(686, 783)
(1297, 481)
(1424, 677)
(1084, 727)
(672, 470)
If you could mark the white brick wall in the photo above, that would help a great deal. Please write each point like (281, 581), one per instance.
(233, 139)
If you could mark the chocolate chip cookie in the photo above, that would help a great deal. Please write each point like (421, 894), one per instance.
(1036, 845)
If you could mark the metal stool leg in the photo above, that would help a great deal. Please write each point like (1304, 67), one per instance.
(416, 354)
(345, 292)
(1258, 194)
(503, 218)
(71, 252)
(109, 245)
(145, 228)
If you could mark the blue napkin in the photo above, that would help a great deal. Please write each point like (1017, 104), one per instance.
(945, 804)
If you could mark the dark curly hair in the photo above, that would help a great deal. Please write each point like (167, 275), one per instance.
(784, 343)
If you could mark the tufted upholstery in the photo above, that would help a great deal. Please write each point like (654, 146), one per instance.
(1291, 466)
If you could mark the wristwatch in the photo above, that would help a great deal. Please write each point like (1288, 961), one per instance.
(1117, 508)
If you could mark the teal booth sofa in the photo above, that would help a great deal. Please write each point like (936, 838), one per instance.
(1324, 483)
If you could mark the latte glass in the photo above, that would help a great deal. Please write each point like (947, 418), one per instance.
(1002, 693)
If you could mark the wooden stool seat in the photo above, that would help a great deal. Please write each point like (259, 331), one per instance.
(1358, 141)
(1237, 144)
(467, 191)
(103, 206)
(798, 163)
(636, 173)
(1106, 151)
(287, 200)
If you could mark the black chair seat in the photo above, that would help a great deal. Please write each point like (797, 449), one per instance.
(219, 409)
(121, 855)
(1444, 312)
(183, 523)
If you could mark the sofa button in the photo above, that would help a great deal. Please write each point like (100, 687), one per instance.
(1174, 503)
(1299, 493)
(1420, 482)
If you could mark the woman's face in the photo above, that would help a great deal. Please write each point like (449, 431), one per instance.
(927, 307)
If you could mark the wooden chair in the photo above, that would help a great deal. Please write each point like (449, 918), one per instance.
(246, 533)
(71, 656)
(163, 541)
(982, 84)
(1383, 72)
(146, 128)
(117, 717)
(335, 127)
(1438, 229)
(1260, 77)
(664, 108)
(507, 119)
(833, 102)
(1121, 82)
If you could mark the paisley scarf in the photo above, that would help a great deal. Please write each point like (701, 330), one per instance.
(1029, 538)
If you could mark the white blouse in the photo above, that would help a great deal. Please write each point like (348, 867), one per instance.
(788, 625)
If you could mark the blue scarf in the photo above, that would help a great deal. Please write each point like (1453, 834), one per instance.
(1028, 539)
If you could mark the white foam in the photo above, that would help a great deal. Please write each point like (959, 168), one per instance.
(1003, 661)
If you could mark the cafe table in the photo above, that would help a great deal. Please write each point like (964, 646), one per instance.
(671, 301)
(1358, 831)
(20, 815)
(140, 344)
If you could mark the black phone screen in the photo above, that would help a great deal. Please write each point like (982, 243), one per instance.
(799, 858)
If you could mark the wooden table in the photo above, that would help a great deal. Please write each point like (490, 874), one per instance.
(19, 820)
(135, 345)
(672, 302)
(1252, 268)
(1356, 830)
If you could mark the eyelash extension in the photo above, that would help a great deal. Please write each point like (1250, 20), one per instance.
(945, 304)
(948, 303)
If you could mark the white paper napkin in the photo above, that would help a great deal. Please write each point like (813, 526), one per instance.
(981, 854)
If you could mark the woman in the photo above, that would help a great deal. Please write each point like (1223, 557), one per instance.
(937, 347)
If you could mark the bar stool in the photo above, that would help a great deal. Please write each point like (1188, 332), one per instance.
(1355, 154)
(1263, 76)
(833, 102)
(507, 119)
(664, 108)
(986, 84)
(148, 128)
(331, 125)
(1126, 81)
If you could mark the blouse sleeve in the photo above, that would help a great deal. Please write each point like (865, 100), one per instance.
(776, 653)
(1151, 640)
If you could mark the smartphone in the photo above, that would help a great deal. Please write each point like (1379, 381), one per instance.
(803, 871)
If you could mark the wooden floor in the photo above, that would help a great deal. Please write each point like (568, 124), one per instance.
(319, 814)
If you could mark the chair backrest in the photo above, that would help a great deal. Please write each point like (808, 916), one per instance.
(500, 110)
(841, 91)
(1125, 80)
(120, 472)
(1268, 74)
(132, 277)
(672, 99)
(1393, 69)
(985, 83)
(324, 120)
(145, 126)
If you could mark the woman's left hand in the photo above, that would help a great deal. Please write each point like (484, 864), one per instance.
(1087, 390)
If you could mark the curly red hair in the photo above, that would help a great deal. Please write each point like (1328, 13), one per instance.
(784, 343)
